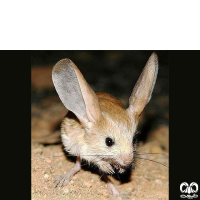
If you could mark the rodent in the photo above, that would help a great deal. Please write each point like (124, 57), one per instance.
(97, 127)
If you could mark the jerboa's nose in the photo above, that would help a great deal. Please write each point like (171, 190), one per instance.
(126, 159)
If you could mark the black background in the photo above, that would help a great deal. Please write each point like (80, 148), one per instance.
(184, 120)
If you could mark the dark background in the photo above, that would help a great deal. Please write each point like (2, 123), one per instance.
(114, 72)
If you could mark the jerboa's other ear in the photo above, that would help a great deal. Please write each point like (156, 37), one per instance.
(74, 91)
(143, 89)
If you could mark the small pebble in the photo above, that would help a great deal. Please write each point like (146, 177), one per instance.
(39, 150)
(140, 194)
(46, 176)
(133, 190)
(148, 176)
(105, 192)
(65, 190)
(88, 183)
(48, 160)
(158, 181)
(58, 154)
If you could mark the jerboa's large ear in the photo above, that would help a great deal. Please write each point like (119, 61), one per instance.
(74, 91)
(143, 89)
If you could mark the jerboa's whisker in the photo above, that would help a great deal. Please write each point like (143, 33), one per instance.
(144, 165)
(152, 161)
(150, 154)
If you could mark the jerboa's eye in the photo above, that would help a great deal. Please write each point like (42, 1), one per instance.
(109, 142)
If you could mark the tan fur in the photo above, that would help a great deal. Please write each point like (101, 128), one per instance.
(114, 122)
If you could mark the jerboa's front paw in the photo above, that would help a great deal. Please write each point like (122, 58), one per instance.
(106, 167)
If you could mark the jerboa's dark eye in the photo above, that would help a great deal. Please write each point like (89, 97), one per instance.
(109, 142)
